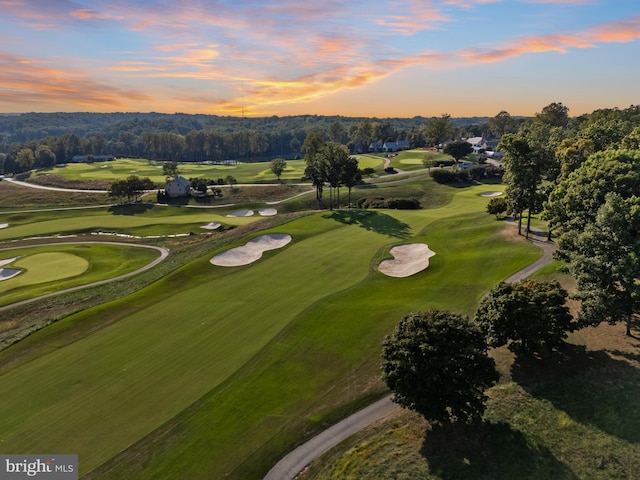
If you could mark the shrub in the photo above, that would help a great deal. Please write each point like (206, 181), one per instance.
(394, 203)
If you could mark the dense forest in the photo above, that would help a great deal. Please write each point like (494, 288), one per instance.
(39, 140)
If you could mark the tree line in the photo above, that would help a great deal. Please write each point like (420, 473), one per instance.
(42, 140)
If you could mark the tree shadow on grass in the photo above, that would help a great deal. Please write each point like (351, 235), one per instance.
(130, 208)
(374, 221)
(590, 386)
(488, 451)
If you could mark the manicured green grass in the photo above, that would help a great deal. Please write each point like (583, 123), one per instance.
(259, 172)
(127, 219)
(53, 268)
(259, 356)
(326, 360)
(44, 267)
(413, 159)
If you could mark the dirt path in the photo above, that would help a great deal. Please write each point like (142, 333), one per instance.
(294, 462)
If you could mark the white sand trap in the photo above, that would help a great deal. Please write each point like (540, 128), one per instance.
(268, 212)
(252, 251)
(491, 194)
(241, 213)
(211, 226)
(7, 261)
(407, 260)
(4, 225)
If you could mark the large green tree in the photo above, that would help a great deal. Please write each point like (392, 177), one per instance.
(350, 175)
(526, 315)
(436, 363)
(130, 188)
(458, 150)
(594, 211)
(314, 170)
(278, 165)
(502, 124)
(606, 263)
(333, 158)
(524, 165)
(439, 130)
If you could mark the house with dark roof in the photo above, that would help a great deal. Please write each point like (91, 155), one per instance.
(178, 187)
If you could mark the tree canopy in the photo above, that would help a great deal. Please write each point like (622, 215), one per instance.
(594, 212)
(458, 150)
(278, 165)
(526, 315)
(436, 363)
(130, 188)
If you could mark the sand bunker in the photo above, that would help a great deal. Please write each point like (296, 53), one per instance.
(252, 251)
(241, 213)
(211, 226)
(491, 194)
(4, 225)
(268, 212)
(7, 273)
(407, 260)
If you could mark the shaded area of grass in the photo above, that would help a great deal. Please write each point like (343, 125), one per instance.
(373, 220)
(568, 415)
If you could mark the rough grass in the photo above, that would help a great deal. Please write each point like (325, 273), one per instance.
(566, 415)
(13, 197)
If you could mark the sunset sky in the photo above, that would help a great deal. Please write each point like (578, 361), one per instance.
(331, 57)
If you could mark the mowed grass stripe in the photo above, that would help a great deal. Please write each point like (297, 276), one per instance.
(255, 172)
(94, 396)
(106, 221)
(326, 361)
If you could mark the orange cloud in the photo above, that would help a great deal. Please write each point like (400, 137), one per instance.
(30, 82)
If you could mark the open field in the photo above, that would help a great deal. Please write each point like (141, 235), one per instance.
(244, 173)
(259, 172)
(254, 355)
(413, 159)
(13, 197)
(52, 268)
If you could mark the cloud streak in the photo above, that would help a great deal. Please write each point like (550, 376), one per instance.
(263, 54)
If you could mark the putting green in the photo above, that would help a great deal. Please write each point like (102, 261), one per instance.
(55, 267)
(44, 267)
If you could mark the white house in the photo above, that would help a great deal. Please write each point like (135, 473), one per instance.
(178, 187)
(389, 146)
(478, 143)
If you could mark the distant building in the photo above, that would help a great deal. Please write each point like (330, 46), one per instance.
(389, 146)
(178, 187)
(478, 143)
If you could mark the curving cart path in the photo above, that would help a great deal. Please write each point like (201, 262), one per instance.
(295, 461)
(164, 253)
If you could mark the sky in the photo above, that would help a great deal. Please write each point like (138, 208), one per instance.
(289, 57)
